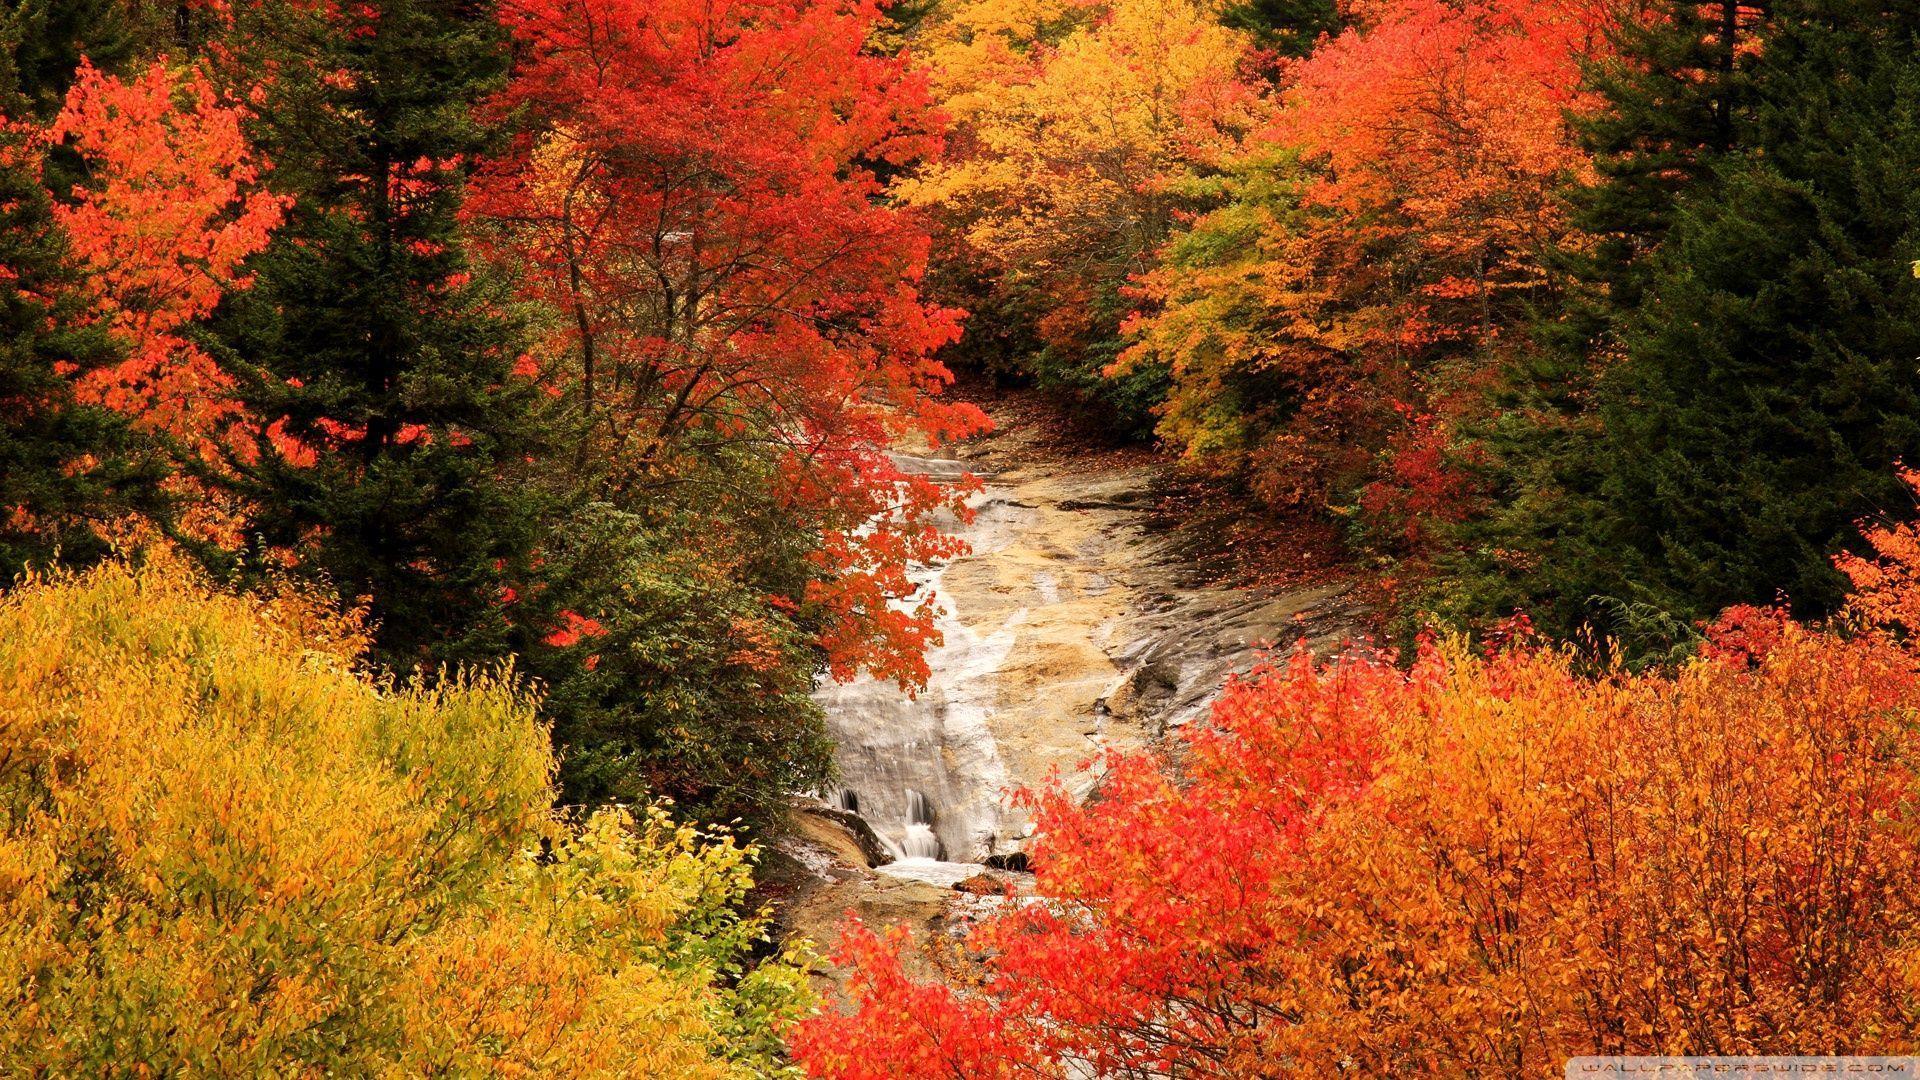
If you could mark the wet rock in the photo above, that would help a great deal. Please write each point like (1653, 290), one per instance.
(844, 830)
(984, 883)
(1074, 625)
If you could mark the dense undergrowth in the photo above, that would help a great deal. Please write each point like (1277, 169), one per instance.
(226, 850)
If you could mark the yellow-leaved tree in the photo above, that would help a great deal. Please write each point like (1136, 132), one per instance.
(225, 850)
(1081, 130)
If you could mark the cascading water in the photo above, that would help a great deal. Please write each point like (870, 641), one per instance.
(925, 771)
(1069, 629)
(920, 842)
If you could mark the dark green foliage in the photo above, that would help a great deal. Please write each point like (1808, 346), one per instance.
(371, 331)
(48, 38)
(1679, 96)
(1003, 341)
(1002, 327)
(1121, 406)
(695, 689)
(1537, 545)
(1284, 27)
(1751, 379)
(1771, 379)
(63, 466)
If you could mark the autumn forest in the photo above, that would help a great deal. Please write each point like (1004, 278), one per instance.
(970, 539)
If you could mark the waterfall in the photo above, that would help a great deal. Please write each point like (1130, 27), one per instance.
(908, 756)
(1070, 627)
(920, 842)
(919, 811)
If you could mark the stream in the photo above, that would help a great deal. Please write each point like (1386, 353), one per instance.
(1068, 629)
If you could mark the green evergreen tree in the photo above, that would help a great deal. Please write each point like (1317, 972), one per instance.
(1746, 376)
(652, 697)
(1284, 27)
(64, 467)
(387, 350)
(49, 37)
(1770, 381)
(1678, 97)
(1678, 94)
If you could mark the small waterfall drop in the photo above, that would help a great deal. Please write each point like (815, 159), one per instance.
(920, 841)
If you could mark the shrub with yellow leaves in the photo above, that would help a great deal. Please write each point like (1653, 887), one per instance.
(225, 850)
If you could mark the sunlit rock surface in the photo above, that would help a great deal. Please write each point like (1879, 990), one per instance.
(1068, 629)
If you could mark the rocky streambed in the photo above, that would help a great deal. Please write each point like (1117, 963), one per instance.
(1073, 626)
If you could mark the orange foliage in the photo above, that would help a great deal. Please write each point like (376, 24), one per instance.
(1482, 865)
(1886, 588)
(1383, 234)
(170, 209)
(1442, 131)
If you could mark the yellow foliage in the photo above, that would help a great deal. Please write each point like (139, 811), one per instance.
(1078, 124)
(225, 851)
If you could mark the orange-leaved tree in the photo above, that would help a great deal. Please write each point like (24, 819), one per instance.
(696, 193)
(1481, 865)
(1382, 239)
(168, 206)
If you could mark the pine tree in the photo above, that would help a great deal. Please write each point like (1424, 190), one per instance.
(1770, 382)
(1677, 94)
(64, 467)
(1284, 27)
(50, 37)
(1746, 378)
(387, 351)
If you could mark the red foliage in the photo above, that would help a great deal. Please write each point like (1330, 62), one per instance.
(1423, 483)
(697, 193)
(170, 209)
(1442, 129)
(1745, 635)
(572, 629)
(1160, 922)
(910, 1029)
(1481, 866)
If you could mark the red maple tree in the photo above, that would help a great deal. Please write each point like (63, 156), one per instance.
(697, 191)
(170, 206)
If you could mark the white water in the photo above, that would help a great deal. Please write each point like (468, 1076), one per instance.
(920, 841)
